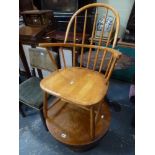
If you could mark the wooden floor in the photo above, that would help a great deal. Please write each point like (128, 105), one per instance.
(69, 124)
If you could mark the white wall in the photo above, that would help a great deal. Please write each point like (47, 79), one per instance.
(124, 8)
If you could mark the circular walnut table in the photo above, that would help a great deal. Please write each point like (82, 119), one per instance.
(70, 125)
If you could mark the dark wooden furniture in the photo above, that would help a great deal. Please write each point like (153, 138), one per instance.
(31, 33)
(25, 5)
(30, 93)
(29, 38)
(63, 11)
(80, 108)
(38, 17)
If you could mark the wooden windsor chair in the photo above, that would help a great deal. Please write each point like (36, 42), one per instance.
(79, 116)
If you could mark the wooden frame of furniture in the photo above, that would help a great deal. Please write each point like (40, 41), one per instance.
(78, 86)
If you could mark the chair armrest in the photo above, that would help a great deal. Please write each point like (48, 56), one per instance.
(116, 53)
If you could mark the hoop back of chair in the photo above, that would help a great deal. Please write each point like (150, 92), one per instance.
(109, 55)
(112, 25)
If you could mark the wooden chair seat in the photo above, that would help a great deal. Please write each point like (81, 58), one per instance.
(30, 93)
(76, 85)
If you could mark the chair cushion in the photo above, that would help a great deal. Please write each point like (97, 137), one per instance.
(77, 85)
(30, 92)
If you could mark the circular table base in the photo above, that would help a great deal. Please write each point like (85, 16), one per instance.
(70, 125)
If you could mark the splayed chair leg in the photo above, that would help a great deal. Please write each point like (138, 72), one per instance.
(92, 122)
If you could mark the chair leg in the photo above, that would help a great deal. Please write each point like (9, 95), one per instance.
(45, 104)
(92, 123)
(43, 119)
(98, 112)
(21, 110)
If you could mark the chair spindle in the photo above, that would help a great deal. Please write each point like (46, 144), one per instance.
(108, 67)
(63, 57)
(110, 33)
(74, 48)
(92, 37)
(111, 69)
(83, 37)
(102, 60)
(100, 40)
